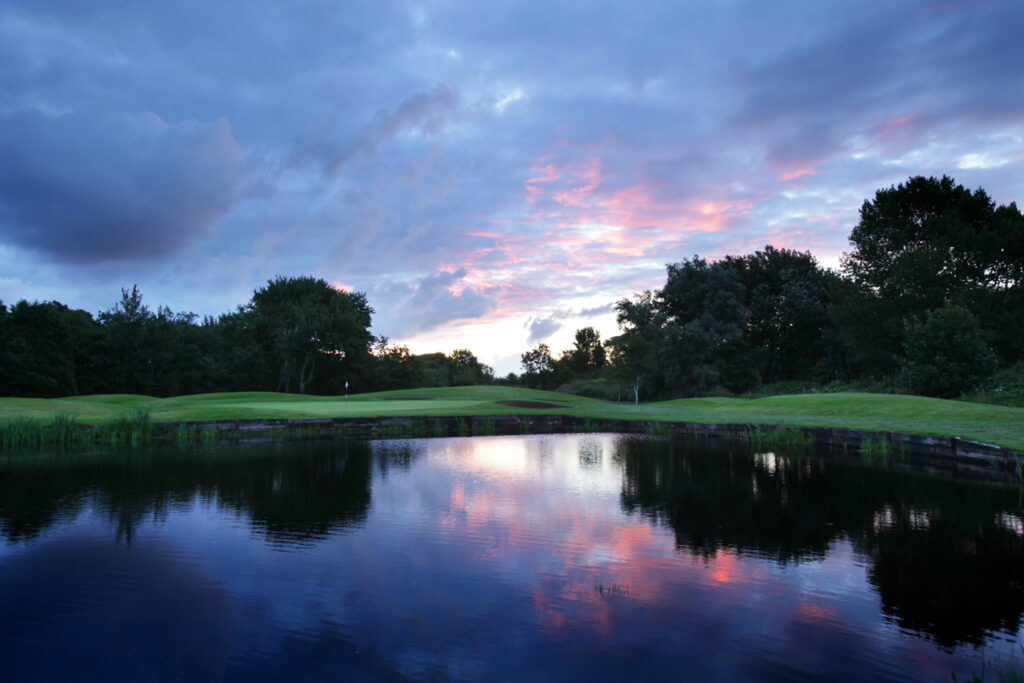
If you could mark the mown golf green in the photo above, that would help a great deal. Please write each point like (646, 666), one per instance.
(999, 425)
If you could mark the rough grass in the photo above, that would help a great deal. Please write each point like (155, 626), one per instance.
(880, 412)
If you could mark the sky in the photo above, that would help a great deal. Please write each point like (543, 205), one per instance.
(492, 175)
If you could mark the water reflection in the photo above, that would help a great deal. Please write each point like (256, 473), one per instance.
(535, 557)
(947, 558)
(289, 494)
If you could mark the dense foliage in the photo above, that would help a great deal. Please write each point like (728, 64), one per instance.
(924, 245)
(294, 335)
(728, 325)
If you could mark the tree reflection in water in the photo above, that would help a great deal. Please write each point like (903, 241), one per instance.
(947, 558)
(290, 495)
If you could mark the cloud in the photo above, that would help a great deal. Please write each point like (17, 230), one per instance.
(421, 110)
(823, 98)
(597, 310)
(87, 189)
(435, 300)
(541, 328)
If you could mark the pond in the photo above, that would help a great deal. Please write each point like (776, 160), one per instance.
(556, 557)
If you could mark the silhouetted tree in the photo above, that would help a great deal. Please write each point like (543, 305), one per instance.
(786, 294)
(633, 357)
(538, 367)
(925, 244)
(466, 369)
(587, 355)
(306, 326)
(705, 343)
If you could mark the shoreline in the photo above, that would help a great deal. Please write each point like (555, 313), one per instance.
(952, 449)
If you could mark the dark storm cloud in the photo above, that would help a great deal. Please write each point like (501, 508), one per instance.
(86, 189)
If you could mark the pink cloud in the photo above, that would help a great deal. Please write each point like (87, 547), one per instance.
(597, 227)
(798, 173)
(545, 173)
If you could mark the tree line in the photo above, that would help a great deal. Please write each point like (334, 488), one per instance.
(930, 299)
(296, 334)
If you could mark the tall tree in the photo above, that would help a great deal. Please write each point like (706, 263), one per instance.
(588, 354)
(127, 357)
(786, 294)
(705, 344)
(926, 244)
(633, 353)
(930, 241)
(538, 367)
(313, 333)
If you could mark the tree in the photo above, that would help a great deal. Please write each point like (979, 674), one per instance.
(705, 344)
(587, 355)
(47, 350)
(127, 359)
(176, 348)
(945, 353)
(633, 356)
(161, 354)
(926, 244)
(436, 369)
(395, 367)
(538, 367)
(466, 369)
(295, 333)
(928, 240)
(304, 324)
(234, 358)
(786, 294)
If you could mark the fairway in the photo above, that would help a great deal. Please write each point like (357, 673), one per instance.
(999, 425)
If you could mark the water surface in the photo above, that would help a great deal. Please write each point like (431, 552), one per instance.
(510, 558)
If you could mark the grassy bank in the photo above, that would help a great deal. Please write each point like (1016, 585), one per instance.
(879, 412)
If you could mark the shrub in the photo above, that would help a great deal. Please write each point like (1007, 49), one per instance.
(945, 353)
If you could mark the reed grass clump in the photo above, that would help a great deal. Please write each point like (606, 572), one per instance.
(135, 428)
(484, 428)
(876, 450)
(195, 434)
(61, 430)
(16, 433)
(659, 428)
(782, 437)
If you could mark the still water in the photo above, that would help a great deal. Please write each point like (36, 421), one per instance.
(598, 556)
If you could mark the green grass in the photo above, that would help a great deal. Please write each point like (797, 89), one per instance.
(877, 412)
